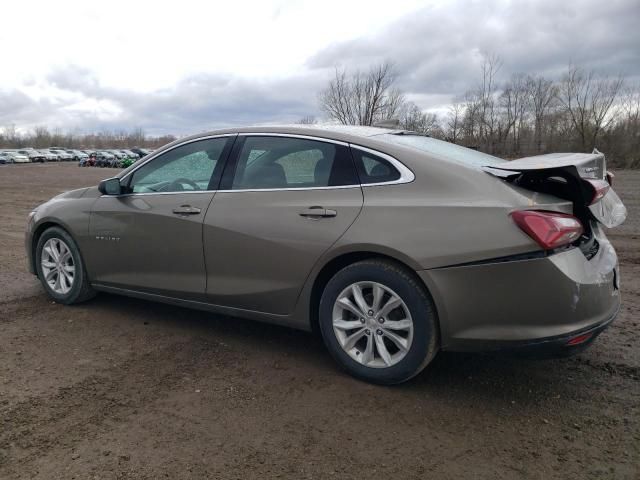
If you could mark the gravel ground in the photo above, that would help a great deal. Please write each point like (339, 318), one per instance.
(123, 388)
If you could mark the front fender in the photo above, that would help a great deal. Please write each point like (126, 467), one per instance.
(68, 211)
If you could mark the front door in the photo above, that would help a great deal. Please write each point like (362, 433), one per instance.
(150, 237)
(283, 202)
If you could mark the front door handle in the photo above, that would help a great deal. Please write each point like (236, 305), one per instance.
(186, 210)
(318, 212)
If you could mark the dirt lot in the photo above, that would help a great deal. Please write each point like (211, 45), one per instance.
(122, 388)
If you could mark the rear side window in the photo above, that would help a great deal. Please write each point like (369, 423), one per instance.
(373, 168)
(282, 162)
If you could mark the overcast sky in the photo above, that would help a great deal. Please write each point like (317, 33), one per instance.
(188, 66)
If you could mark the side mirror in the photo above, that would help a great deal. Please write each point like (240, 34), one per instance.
(110, 186)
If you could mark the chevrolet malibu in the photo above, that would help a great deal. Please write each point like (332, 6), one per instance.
(391, 244)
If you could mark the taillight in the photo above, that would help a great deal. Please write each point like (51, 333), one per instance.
(580, 339)
(600, 189)
(550, 229)
(609, 176)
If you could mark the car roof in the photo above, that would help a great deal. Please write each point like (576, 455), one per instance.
(346, 133)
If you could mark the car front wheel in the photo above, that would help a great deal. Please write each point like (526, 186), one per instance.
(378, 322)
(60, 267)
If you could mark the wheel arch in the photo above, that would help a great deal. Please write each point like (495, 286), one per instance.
(338, 262)
(42, 227)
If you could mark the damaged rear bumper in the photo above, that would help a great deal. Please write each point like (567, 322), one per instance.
(550, 347)
(532, 305)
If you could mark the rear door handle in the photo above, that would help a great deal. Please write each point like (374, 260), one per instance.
(318, 212)
(186, 210)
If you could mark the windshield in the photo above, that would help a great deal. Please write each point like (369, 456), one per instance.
(446, 150)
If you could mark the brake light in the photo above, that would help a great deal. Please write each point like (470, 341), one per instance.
(600, 189)
(609, 176)
(550, 229)
(579, 339)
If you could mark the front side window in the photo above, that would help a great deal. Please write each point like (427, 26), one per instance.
(282, 162)
(186, 168)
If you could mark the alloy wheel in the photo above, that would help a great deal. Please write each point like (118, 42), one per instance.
(57, 265)
(372, 324)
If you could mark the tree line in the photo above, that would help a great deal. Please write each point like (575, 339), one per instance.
(525, 115)
(41, 137)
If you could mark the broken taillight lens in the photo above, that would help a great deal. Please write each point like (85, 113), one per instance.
(550, 229)
(600, 189)
(609, 176)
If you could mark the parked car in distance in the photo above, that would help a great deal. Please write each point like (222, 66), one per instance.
(130, 154)
(34, 155)
(49, 157)
(15, 157)
(77, 155)
(56, 156)
(88, 161)
(391, 244)
(127, 162)
(63, 155)
(116, 153)
(104, 158)
(5, 158)
(141, 152)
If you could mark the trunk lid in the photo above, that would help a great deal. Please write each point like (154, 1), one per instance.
(567, 175)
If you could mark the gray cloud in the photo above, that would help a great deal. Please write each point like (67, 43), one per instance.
(436, 52)
(198, 102)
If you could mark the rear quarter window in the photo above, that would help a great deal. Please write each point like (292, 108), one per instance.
(373, 168)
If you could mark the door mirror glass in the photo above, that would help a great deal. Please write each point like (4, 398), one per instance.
(110, 186)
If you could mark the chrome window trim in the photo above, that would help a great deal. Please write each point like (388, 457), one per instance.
(294, 135)
(140, 194)
(294, 189)
(406, 175)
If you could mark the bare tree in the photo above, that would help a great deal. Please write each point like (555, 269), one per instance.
(454, 122)
(362, 98)
(414, 119)
(11, 136)
(587, 101)
(308, 120)
(491, 65)
(542, 93)
(630, 104)
(513, 103)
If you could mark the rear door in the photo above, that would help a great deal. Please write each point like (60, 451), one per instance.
(150, 237)
(284, 200)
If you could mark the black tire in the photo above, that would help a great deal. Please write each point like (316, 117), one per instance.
(81, 290)
(404, 283)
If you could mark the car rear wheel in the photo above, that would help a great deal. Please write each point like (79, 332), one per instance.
(61, 269)
(378, 322)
